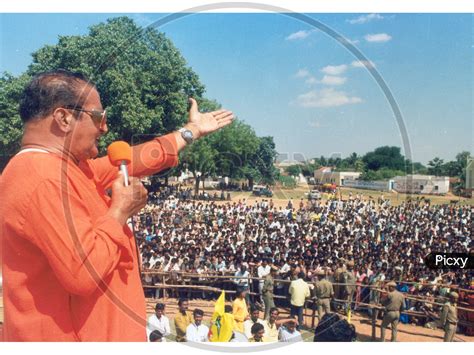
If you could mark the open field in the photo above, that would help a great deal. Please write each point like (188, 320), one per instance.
(282, 196)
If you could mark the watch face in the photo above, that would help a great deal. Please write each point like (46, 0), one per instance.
(188, 134)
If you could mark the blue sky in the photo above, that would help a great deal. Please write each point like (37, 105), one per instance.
(297, 84)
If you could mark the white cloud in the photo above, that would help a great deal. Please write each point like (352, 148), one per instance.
(299, 35)
(311, 80)
(326, 98)
(302, 73)
(362, 64)
(378, 37)
(365, 18)
(334, 69)
(333, 80)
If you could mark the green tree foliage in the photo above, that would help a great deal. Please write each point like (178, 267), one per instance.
(263, 161)
(293, 170)
(435, 166)
(236, 152)
(200, 159)
(143, 80)
(385, 157)
(236, 144)
(381, 174)
(10, 123)
(144, 83)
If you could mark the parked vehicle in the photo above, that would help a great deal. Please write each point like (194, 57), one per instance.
(314, 195)
(260, 190)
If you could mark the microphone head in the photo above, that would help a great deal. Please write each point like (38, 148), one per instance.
(119, 151)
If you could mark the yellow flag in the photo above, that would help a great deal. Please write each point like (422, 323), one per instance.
(349, 315)
(222, 323)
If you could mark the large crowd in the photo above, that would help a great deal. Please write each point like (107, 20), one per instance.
(239, 238)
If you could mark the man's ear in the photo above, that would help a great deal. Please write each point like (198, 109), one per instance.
(63, 119)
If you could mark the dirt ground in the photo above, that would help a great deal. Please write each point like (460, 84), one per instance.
(282, 196)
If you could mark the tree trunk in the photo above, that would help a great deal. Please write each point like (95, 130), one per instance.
(250, 184)
(196, 186)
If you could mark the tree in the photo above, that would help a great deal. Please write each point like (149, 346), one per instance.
(293, 170)
(419, 168)
(435, 166)
(263, 161)
(10, 123)
(236, 144)
(384, 157)
(359, 165)
(200, 159)
(142, 78)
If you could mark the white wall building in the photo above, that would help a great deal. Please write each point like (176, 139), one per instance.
(421, 184)
(327, 176)
(369, 185)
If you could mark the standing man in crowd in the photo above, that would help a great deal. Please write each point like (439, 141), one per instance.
(196, 331)
(324, 292)
(242, 282)
(267, 291)
(394, 304)
(182, 320)
(348, 289)
(449, 317)
(299, 291)
(338, 280)
(262, 271)
(70, 263)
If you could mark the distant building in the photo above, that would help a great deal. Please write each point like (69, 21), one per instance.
(470, 175)
(421, 184)
(382, 185)
(325, 175)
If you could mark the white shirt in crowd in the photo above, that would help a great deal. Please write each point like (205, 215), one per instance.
(285, 336)
(196, 333)
(162, 325)
(244, 282)
(262, 272)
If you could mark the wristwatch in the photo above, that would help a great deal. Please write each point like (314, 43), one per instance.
(187, 135)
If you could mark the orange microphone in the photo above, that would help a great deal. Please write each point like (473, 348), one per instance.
(120, 154)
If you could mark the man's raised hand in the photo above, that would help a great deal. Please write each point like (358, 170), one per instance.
(208, 122)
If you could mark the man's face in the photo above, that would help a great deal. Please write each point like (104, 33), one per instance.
(159, 313)
(255, 315)
(273, 316)
(197, 319)
(291, 327)
(84, 138)
(184, 306)
(259, 335)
